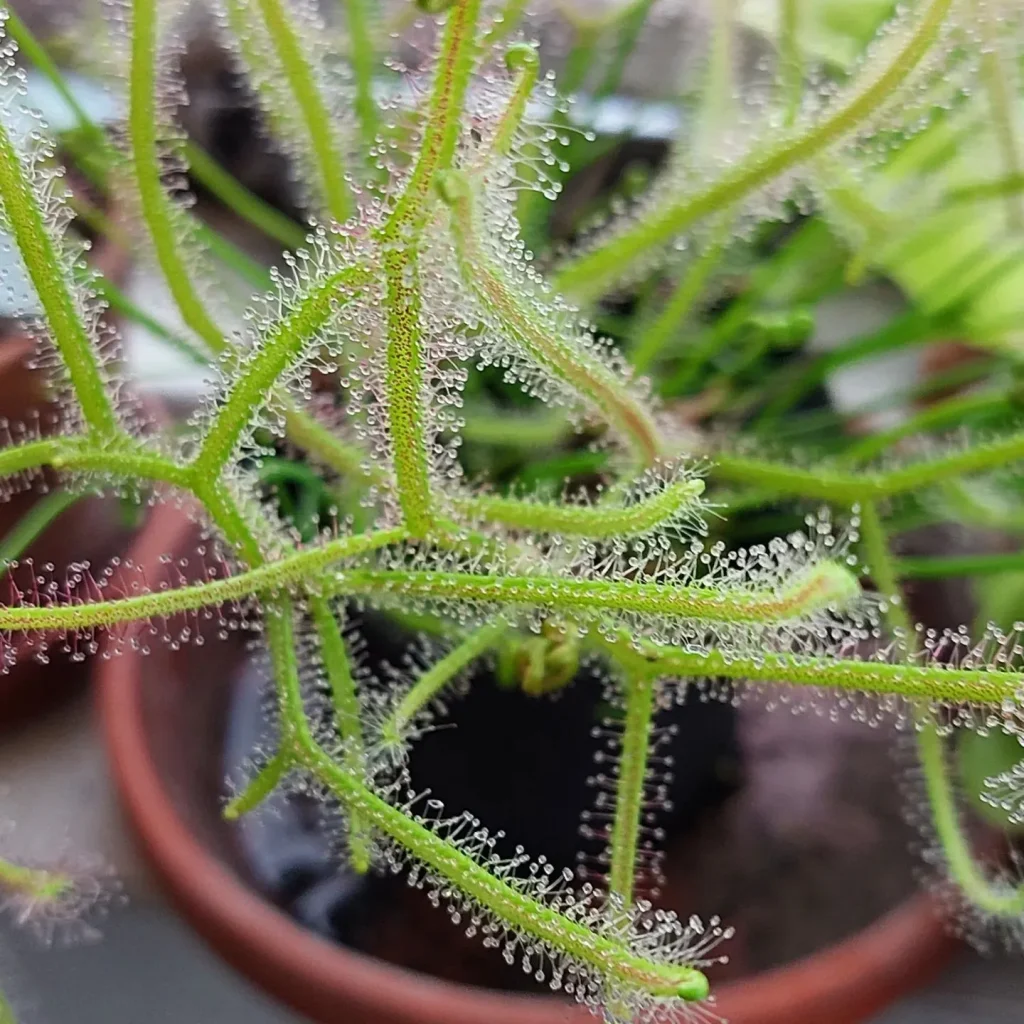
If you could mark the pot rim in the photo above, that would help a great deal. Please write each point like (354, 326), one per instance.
(842, 984)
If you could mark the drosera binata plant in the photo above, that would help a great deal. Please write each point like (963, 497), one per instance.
(412, 277)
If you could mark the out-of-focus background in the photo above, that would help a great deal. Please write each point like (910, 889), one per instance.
(149, 967)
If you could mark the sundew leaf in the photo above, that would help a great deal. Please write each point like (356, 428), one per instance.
(356, 359)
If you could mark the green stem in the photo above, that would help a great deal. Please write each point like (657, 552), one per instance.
(53, 286)
(254, 274)
(1010, 185)
(821, 587)
(279, 630)
(158, 212)
(38, 884)
(944, 684)
(879, 562)
(990, 509)
(1000, 901)
(978, 459)
(666, 326)
(522, 59)
(950, 412)
(237, 198)
(541, 429)
(120, 303)
(278, 618)
(129, 463)
(630, 789)
(278, 615)
(963, 868)
(803, 248)
(206, 172)
(29, 455)
(277, 352)
(326, 151)
(315, 439)
(260, 786)
(363, 57)
(348, 718)
(456, 61)
(1003, 103)
(943, 567)
(400, 237)
(41, 60)
(716, 111)
(33, 524)
(599, 521)
(549, 344)
(506, 21)
(589, 275)
(437, 677)
(844, 488)
(630, 25)
(791, 59)
(405, 386)
(580, 58)
(269, 578)
(604, 954)
(511, 905)
(908, 329)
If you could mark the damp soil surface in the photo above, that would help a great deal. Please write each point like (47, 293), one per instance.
(788, 827)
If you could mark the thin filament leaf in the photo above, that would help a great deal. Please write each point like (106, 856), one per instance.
(281, 350)
(822, 587)
(590, 275)
(437, 677)
(597, 521)
(280, 47)
(345, 698)
(56, 291)
(594, 382)
(406, 360)
(163, 222)
(605, 954)
(640, 696)
(848, 488)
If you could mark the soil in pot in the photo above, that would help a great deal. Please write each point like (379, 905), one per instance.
(807, 848)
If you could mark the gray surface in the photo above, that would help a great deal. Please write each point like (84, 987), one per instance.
(150, 970)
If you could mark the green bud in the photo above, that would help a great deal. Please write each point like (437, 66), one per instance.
(521, 55)
(451, 186)
(562, 664)
(558, 651)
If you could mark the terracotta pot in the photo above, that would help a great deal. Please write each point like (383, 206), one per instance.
(91, 529)
(164, 721)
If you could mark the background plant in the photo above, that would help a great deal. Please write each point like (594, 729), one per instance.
(413, 284)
